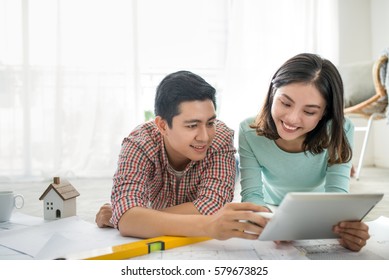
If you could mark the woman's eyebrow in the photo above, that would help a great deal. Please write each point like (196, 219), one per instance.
(313, 106)
(308, 105)
(287, 97)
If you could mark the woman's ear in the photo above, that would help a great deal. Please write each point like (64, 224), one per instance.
(161, 124)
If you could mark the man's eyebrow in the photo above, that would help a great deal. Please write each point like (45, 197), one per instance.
(291, 100)
(199, 121)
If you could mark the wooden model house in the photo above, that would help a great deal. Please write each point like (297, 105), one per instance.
(59, 200)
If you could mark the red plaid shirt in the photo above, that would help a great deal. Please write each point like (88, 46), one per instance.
(144, 179)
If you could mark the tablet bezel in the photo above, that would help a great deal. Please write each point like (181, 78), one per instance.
(312, 215)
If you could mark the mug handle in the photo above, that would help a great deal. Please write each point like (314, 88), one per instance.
(21, 199)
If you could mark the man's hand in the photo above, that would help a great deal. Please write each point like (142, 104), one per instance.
(104, 215)
(353, 235)
(236, 220)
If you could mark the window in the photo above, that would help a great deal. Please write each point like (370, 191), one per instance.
(76, 76)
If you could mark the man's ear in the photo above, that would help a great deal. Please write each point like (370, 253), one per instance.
(161, 124)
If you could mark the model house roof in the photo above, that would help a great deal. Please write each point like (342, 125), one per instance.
(63, 188)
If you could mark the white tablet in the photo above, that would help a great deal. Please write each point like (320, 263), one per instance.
(312, 215)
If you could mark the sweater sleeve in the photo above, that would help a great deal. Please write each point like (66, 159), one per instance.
(251, 175)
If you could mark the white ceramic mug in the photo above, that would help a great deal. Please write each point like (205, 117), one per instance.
(9, 201)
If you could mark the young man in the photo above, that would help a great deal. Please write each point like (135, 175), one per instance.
(176, 174)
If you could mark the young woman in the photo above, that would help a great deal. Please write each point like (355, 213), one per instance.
(300, 141)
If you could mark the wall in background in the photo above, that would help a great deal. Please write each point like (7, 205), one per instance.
(379, 26)
(380, 41)
(363, 36)
(381, 143)
(363, 29)
(354, 30)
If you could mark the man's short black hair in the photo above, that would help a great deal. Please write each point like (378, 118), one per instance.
(179, 87)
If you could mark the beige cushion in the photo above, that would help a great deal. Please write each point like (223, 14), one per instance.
(357, 81)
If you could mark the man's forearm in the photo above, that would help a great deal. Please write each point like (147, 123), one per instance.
(185, 208)
(147, 223)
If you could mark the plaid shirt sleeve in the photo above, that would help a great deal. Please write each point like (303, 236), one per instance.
(130, 178)
(216, 187)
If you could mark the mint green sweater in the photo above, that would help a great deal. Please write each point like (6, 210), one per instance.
(269, 173)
